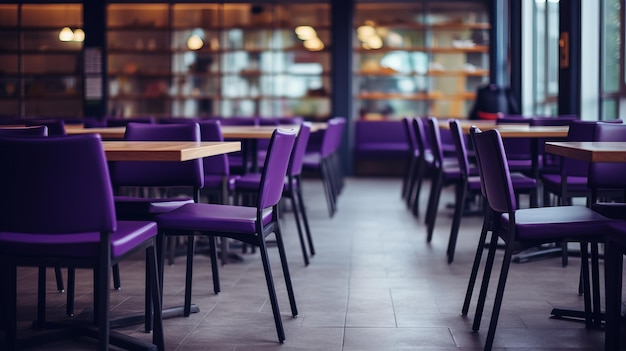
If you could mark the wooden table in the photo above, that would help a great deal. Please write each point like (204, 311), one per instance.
(590, 151)
(229, 132)
(166, 150)
(519, 131)
(110, 133)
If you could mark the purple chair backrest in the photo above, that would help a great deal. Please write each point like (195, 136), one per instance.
(159, 173)
(473, 131)
(420, 135)
(275, 168)
(410, 133)
(494, 171)
(608, 175)
(35, 131)
(211, 130)
(459, 144)
(331, 133)
(55, 126)
(55, 185)
(516, 148)
(578, 131)
(435, 139)
(299, 149)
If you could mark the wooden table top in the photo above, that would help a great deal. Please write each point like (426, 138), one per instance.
(516, 130)
(229, 132)
(166, 150)
(591, 151)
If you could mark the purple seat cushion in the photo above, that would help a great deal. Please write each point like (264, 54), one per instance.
(213, 218)
(473, 183)
(552, 182)
(251, 182)
(519, 165)
(615, 210)
(129, 234)
(562, 222)
(136, 207)
(522, 182)
(312, 160)
(248, 182)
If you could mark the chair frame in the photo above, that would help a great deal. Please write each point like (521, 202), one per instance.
(258, 240)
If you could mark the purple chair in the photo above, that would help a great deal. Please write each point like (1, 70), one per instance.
(571, 180)
(326, 162)
(241, 161)
(425, 163)
(521, 185)
(518, 150)
(247, 224)
(55, 126)
(71, 224)
(408, 181)
(249, 184)
(34, 131)
(523, 228)
(606, 180)
(549, 163)
(217, 177)
(156, 174)
(445, 174)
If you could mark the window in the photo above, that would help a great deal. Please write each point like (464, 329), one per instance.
(546, 60)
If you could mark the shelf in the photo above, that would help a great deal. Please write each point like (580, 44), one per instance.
(418, 96)
(433, 27)
(452, 73)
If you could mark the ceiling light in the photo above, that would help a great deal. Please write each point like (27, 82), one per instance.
(79, 35)
(195, 42)
(66, 34)
(305, 32)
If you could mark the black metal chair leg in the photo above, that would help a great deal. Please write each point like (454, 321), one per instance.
(477, 259)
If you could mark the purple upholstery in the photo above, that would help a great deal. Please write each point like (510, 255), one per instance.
(520, 228)
(327, 162)
(249, 184)
(605, 176)
(608, 175)
(144, 173)
(55, 126)
(445, 174)
(215, 218)
(40, 130)
(217, 175)
(128, 236)
(57, 209)
(566, 222)
(425, 164)
(156, 173)
(408, 180)
(518, 150)
(380, 139)
(466, 184)
(248, 224)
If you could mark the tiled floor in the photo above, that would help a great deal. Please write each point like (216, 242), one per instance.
(374, 284)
